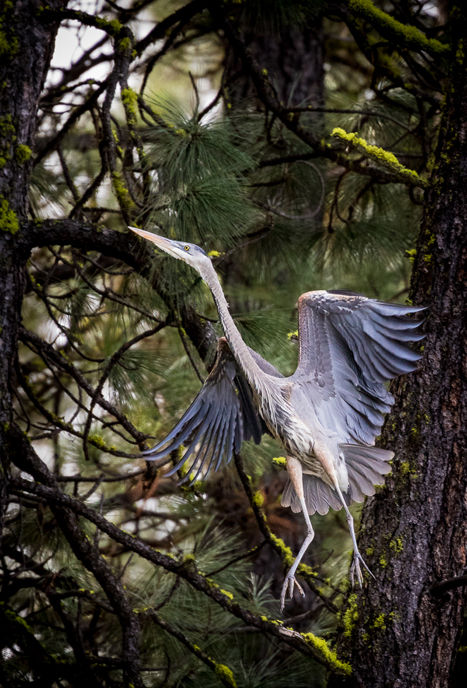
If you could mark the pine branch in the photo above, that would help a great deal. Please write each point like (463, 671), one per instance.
(51, 355)
(403, 35)
(86, 552)
(14, 630)
(181, 16)
(385, 66)
(57, 422)
(77, 112)
(27, 460)
(111, 27)
(223, 672)
(136, 253)
(290, 120)
(114, 360)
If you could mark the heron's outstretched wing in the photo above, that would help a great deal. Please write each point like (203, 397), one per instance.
(220, 418)
(349, 347)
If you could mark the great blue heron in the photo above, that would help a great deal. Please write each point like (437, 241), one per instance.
(326, 415)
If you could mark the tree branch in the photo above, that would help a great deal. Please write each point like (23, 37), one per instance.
(290, 119)
(85, 551)
(130, 250)
(62, 504)
(401, 34)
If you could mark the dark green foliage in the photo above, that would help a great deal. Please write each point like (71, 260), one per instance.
(281, 215)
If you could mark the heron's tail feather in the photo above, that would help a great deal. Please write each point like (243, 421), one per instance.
(319, 497)
(367, 467)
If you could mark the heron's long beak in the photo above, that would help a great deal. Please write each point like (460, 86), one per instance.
(160, 241)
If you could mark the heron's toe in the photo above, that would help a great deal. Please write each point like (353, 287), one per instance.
(356, 571)
(288, 588)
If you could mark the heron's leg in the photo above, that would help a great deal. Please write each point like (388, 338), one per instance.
(294, 469)
(357, 557)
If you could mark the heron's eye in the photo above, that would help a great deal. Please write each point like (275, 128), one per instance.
(186, 247)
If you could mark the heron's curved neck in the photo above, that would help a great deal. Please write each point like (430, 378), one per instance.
(238, 347)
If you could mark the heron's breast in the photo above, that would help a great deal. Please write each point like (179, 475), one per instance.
(286, 424)
(315, 446)
(295, 436)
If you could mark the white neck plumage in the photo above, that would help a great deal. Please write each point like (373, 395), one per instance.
(260, 381)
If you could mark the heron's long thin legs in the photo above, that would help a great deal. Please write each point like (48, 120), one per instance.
(357, 557)
(294, 469)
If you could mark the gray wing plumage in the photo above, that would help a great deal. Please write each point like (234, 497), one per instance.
(349, 347)
(221, 417)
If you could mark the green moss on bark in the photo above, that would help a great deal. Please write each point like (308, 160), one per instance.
(350, 616)
(22, 153)
(407, 36)
(122, 193)
(8, 219)
(328, 655)
(130, 103)
(381, 156)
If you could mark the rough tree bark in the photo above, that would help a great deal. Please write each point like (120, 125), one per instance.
(402, 629)
(293, 57)
(24, 60)
(22, 76)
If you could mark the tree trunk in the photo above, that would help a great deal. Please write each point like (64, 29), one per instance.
(27, 42)
(402, 629)
(31, 40)
(293, 57)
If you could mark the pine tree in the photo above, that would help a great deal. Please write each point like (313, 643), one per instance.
(301, 144)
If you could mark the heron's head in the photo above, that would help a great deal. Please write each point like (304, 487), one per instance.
(190, 253)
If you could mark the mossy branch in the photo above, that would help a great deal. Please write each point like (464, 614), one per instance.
(403, 35)
(28, 461)
(110, 26)
(381, 156)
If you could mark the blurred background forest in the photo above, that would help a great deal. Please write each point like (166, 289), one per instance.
(291, 140)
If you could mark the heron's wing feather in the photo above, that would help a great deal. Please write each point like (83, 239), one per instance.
(349, 347)
(220, 418)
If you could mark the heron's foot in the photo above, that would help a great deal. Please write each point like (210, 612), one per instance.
(288, 587)
(355, 569)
